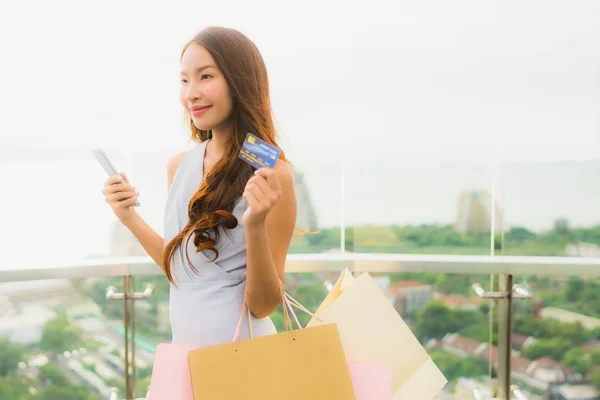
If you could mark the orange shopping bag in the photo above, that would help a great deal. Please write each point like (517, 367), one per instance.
(296, 364)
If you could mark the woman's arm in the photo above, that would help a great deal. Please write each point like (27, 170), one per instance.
(268, 239)
(151, 241)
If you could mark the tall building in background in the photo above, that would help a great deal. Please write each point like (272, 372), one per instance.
(475, 213)
(409, 295)
(307, 216)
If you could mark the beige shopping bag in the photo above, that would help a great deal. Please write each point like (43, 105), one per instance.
(301, 364)
(372, 331)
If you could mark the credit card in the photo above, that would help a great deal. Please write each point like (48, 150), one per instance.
(259, 153)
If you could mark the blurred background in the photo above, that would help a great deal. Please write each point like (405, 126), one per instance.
(433, 128)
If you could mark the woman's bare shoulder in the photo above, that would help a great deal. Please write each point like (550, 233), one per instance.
(172, 166)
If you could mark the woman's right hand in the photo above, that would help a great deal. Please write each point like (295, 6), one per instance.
(120, 195)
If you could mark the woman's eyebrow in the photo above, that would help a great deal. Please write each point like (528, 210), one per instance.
(200, 69)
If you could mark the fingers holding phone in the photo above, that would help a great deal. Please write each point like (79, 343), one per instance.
(120, 195)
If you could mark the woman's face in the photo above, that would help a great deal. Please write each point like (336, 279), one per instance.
(204, 91)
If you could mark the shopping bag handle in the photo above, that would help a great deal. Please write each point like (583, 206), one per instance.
(286, 317)
(293, 302)
(288, 305)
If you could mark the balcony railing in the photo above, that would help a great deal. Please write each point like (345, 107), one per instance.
(501, 268)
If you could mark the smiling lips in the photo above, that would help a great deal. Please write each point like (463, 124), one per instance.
(199, 110)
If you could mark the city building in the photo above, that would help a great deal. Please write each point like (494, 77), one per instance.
(462, 346)
(47, 290)
(519, 342)
(457, 301)
(474, 213)
(24, 323)
(408, 296)
(306, 214)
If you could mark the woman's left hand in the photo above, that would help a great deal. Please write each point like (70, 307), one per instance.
(262, 192)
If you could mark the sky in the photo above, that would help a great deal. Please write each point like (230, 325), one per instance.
(430, 82)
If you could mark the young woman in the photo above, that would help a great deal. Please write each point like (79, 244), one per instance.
(227, 227)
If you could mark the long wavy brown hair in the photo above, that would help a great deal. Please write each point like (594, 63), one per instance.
(210, 208)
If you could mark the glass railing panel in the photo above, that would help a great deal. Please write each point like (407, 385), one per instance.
(419, 205)
(152, 326)
(318, 190)
(551, 208)
(60, 338)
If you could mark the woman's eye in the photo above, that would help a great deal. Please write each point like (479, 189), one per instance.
(205, 76)
(184, 81)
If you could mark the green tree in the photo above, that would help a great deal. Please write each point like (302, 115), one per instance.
(480, 332)
(454, 367)
(10, 356)
(574, 332)
(446, 362)
(530, 326)
(14, 388)
(467, 317)
(472, 367)
(519, 234)
(589, 301)
(561, 226)
(554, 348)
(575, 358)
(434, 321)
(551, 328)
(59, 335)
(595, 357)
(595, 378)
(52, 373)
(573, 289)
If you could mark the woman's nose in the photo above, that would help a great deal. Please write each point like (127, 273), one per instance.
(193, 93)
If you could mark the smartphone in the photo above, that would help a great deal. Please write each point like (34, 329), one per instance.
(109, 167)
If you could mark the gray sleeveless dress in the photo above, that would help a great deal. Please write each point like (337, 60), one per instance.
(205, 306)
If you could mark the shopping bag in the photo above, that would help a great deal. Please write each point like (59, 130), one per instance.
(343, 281)
(298, 364)
(371, 381)
(171, 373)
(372, 332)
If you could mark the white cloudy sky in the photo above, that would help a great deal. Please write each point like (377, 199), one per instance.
(459, 80)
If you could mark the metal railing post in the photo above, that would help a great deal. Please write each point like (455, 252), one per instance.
(507, 292)
(129, 296)
(505, 336)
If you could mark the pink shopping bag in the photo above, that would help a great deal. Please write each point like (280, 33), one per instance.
(371, 381)
(171, 373)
